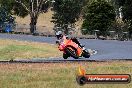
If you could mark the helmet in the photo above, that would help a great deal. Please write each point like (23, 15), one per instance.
(59, 34)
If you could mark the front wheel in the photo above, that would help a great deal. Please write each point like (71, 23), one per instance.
(86, 54)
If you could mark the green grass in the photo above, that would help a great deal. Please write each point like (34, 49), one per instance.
(12, 49)
(59, 75)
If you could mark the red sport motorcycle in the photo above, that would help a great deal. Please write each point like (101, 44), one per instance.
(71, 49)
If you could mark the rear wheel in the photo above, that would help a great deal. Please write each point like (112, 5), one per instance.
(72, 52)
(65, 56)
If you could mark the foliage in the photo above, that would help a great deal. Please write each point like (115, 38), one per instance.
(23, 8)
(8, 4)
(99, 16)
(67, 12)
(6, 18)
(127, 10)
(119, 2)
(127, 15)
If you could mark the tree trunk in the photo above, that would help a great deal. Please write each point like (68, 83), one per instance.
(130, 34)
(66, 31)
(33, 24)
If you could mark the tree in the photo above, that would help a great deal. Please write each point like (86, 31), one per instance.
(66, 13)
(117, 5)
(99, 15)
(5, 17)
(127, 15)
(24, 7)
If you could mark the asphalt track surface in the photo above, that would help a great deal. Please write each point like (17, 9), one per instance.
(107, 49)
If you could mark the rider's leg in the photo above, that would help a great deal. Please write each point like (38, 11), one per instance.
(76, 41)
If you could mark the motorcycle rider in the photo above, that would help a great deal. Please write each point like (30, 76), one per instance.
(60, 37)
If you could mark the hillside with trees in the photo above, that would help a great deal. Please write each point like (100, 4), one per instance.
(102, 15)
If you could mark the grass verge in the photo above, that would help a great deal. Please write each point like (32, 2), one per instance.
(13, 49)
(59, 75)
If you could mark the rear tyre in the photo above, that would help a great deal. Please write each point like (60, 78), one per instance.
(72, 52)
(65, 56)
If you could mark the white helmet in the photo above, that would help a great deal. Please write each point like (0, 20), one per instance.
(59, 34)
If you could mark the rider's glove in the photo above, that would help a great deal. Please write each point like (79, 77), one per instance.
(57, 42)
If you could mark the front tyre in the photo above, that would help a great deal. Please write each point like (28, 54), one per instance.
(86, 54)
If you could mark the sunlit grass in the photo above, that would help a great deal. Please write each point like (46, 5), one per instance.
(59, 75)
(13, 49)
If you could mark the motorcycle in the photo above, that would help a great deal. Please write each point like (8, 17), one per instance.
(71, 49)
